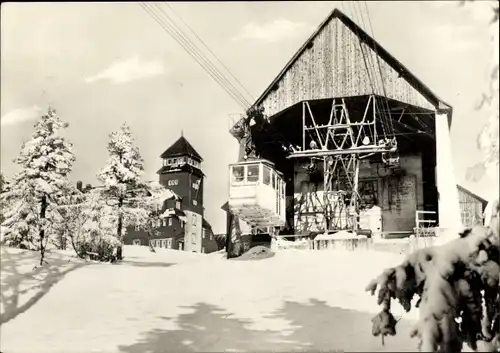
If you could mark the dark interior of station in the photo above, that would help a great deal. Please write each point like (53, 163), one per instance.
(413, 127)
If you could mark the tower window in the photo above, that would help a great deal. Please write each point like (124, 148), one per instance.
(195, 202)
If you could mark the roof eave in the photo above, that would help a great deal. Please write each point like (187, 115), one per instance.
(374, 45)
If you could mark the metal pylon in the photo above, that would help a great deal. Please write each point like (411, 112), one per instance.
(340, 144)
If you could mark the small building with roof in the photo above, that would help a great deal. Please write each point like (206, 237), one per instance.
(183, 226)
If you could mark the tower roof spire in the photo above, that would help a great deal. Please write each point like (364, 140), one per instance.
(181, 147)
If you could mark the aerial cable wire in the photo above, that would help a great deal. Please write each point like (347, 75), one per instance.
(183, 35)
(384, 115)
(208, 48)
(378, 61)
(383, 121)
(191, 48)
(182, 42)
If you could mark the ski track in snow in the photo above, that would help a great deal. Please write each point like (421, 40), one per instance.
(99, 307)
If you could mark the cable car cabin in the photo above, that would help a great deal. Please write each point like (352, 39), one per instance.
(257, 193)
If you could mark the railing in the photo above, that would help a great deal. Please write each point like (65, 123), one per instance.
(425, 227)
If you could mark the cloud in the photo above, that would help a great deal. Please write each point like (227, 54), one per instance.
(128, 70)
(20, 115)
(273, 31)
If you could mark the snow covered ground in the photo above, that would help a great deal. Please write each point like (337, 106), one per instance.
(179, 301)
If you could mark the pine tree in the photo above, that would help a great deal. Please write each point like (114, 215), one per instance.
(123, 188)
(35, 192)
(4, 185)
(488, 139)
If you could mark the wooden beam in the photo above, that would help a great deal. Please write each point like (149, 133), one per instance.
(355, 150)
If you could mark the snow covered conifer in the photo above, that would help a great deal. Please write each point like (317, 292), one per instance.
(123, 188)
(3, 188)
(32, 199)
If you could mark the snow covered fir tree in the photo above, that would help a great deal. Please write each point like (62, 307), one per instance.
(123, 186)
(31, 202)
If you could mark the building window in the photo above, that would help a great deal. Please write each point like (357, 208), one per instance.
(203, 233)
(252, 173)
(169, 243)
(170, 221)
(194, 220)
(238, 173)
(178, 205)
(159, 223)
(195, 202)
(169, 161)
(137, 242)
(164, 243)
(211, 236)
(173, 182)
(266, 175)
(164, 222)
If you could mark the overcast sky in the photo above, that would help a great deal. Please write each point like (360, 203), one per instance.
(100, 64)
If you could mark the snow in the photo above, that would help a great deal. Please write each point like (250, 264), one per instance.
(45, 160)
(100, 307)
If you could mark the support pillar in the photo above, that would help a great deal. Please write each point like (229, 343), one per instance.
(450, 221)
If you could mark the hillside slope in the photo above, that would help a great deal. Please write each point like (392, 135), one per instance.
(178, 301)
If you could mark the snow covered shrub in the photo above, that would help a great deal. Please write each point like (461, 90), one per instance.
(451, 282)
(33, 197)
(94, 228)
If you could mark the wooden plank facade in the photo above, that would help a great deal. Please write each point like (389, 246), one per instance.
(471, 207)
(332, 64)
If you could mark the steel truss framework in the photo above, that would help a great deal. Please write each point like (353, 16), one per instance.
(340, 144)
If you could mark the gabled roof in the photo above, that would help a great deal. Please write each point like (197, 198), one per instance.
(384, 54)
(181, 147)
(205, 224)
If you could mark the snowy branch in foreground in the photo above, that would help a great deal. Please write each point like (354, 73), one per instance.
(451, 281)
